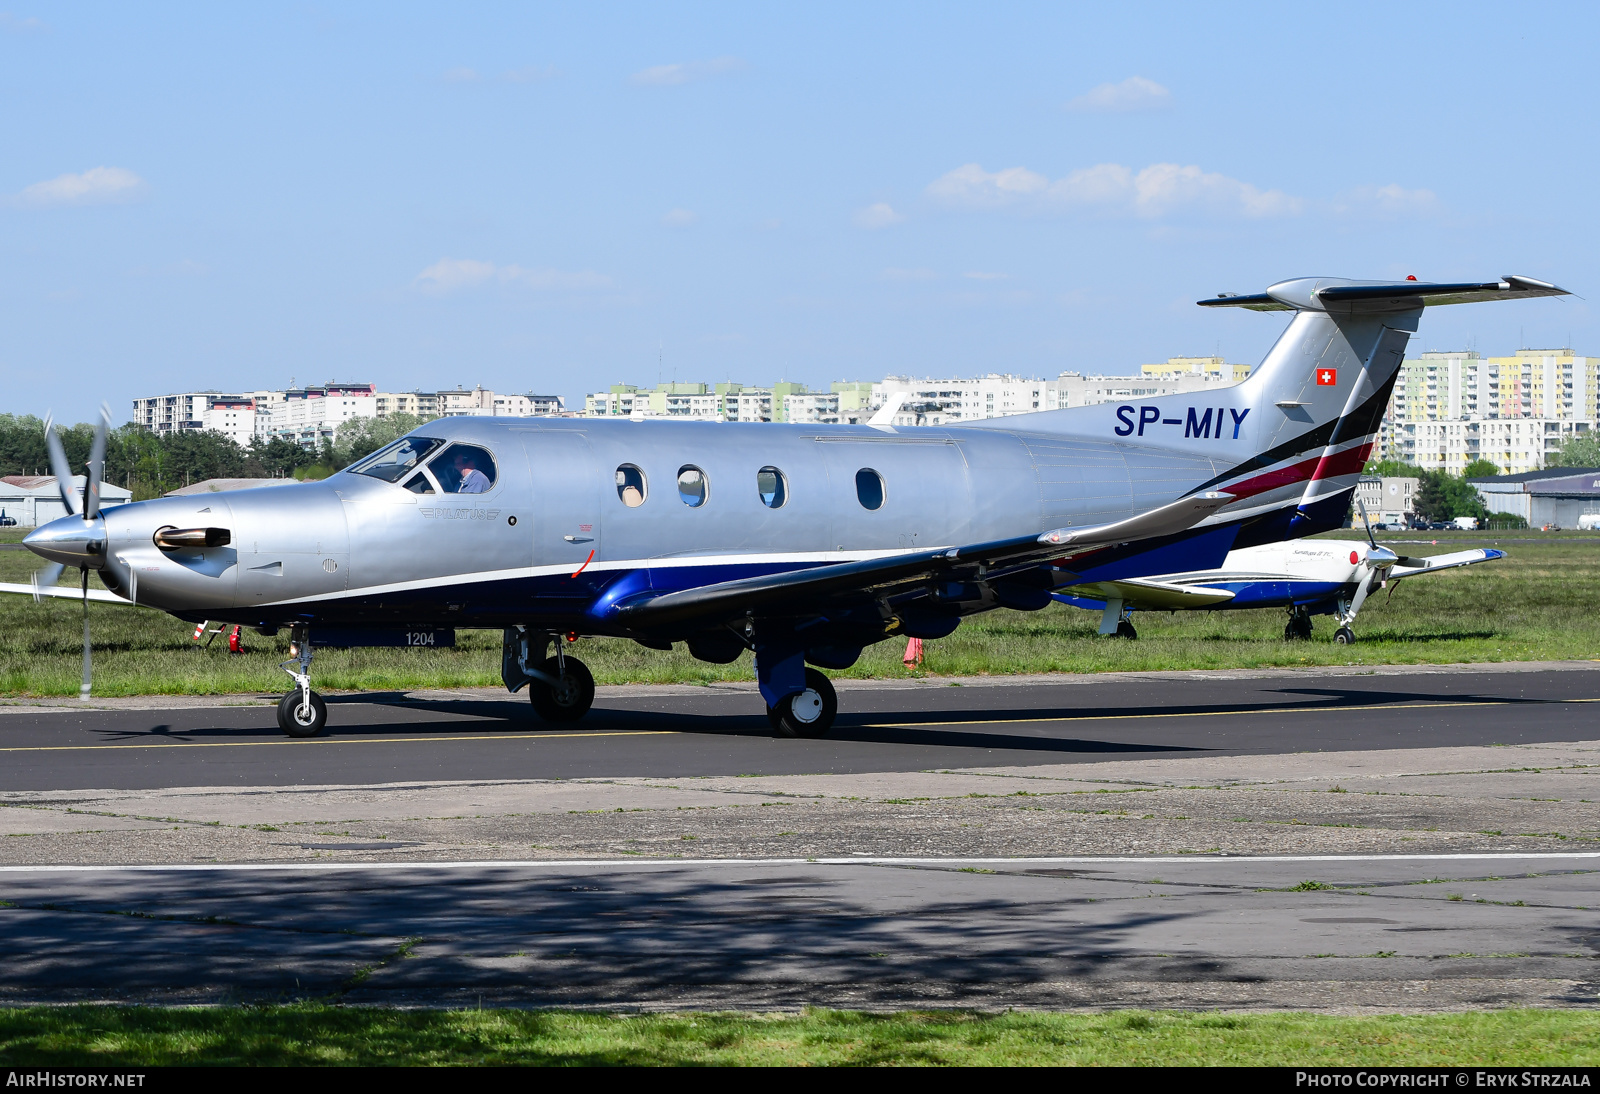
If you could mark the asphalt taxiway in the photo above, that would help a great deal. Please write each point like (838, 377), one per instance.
(1396, 839)
(693, 731)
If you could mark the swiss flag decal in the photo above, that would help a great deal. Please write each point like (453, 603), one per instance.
(1327, 377)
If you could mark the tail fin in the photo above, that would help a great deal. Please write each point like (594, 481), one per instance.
(1322, 390)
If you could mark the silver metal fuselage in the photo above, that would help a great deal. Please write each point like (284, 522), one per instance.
(553, 536)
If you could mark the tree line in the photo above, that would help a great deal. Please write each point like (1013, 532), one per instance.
(150, 464)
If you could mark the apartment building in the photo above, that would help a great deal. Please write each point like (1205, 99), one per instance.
(1451, 407)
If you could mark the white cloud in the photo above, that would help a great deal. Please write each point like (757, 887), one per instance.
(450, 275)
(531, 74)
(96, 186)
(895, 273)
(21, 24)
(546, 278)
(687, 72)
(1386, 201)
(679, 218)
(984, 275)
(1134, 93)
(879, 215)
(1155, 191)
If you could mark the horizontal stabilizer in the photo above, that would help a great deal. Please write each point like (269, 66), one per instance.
(1338, 294)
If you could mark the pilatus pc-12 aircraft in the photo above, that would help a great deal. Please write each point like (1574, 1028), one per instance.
(802, 543)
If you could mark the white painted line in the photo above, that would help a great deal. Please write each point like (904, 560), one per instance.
(863, 860)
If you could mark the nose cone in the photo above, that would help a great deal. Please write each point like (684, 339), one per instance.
(71, 541)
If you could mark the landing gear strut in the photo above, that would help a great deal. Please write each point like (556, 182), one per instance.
(1114, 620)
(1299, 625)
(301, 713)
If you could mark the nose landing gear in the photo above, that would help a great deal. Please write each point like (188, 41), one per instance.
(302, 712)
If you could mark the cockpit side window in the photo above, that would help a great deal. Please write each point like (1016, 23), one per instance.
(398, 460)
(463, 469)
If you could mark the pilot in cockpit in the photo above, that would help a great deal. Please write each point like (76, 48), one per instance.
(473, 481)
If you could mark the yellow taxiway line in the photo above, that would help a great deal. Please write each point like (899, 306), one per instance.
(346, 741)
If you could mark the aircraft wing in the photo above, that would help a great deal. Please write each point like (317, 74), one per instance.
(731, 599)
(1411, 567)
(1144, 595)
(63, 591)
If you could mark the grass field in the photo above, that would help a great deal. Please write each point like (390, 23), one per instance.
(1537, 604)
(325, 1035)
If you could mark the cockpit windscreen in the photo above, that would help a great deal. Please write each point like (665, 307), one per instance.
(393, 463)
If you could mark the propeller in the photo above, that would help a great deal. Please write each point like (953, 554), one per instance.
(1377, 564)
(88, 545)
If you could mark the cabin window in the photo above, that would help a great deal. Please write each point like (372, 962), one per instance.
(463, 469)
(869, 488)
(631, 486)
(398, 460)
(770, 485)
(692, 486)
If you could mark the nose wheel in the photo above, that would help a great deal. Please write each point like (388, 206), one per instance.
(302, 715)
(808, 714)
(1344, 636)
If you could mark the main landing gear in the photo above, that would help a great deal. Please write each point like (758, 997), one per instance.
(1299, 625)
(808, 714)
(560, 688)
(301, 713)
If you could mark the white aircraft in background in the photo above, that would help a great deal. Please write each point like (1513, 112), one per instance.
(1308, 577)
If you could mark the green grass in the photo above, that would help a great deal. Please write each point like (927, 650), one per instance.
(1537, 604)
(318, 1034)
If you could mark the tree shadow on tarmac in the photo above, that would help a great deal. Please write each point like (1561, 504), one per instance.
(571, 937)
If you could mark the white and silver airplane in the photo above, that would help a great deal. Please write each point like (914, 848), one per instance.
(801, 543)
(1307, 577)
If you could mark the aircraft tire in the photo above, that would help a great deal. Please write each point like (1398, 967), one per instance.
(1125, 630)
(289, 715)
(819, 701)
(568, 703)
(1344, 636)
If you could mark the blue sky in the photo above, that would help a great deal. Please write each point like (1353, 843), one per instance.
(558, 198)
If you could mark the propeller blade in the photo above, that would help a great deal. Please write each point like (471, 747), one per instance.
(1366, 522)
(97, 465)
(59, 466)
(45, 577)
(83, 689)
(1361, 595)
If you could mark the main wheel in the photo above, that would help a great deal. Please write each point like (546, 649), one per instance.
(1298, 628)
(808, 714)
(568, 701)
(294, 721)
(1125, 630)
(1344, 636)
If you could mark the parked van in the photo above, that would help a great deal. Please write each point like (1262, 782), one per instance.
(1589, 522)
(1466, 524)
